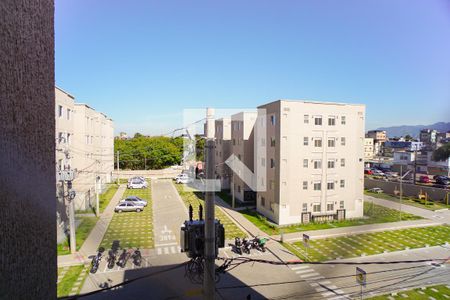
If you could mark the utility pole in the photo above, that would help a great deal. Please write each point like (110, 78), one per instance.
(415, 166)
(118, 179)
(73, 240)
(210, 232)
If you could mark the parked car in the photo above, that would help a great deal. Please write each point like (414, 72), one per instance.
(443, 180)
(424, 179)
(128, 206)
(179, 176)
(375, 190)
(137, 184)
(391, 174)
(140, 178)
(368, 172)
(377, 172)
(183, 178)
(135, 200)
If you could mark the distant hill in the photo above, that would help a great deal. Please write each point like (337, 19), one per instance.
(414, 130)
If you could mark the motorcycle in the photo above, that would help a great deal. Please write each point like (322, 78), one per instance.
(238, 245)
(123, 258)
(260, 243)
(247, 245)
(137, 258)
(96, 260)
(111, 259)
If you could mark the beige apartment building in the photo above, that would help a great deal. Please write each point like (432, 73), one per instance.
(368, 148)
(314, 161)
(85, 143)
(242, 139)
(223, 151)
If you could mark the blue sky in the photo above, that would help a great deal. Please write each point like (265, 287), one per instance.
(143, 62)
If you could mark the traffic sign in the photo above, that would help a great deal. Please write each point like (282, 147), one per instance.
(306, 240)
(361, 276)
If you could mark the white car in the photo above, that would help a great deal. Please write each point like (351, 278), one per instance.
(377, 172)
(128, 206)
(137, 184)
(183, 178)
(136, 178)
(135, 200)
(375, 190)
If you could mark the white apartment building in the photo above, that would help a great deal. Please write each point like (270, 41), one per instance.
(314, 161)
(223, 151)
(368, 148)
(242, 139)
(85, 143)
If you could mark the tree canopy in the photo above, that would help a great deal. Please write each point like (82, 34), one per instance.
(442, 153)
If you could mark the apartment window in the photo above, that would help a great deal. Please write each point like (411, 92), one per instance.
(305, 185)
(331, 142)
(331, 121)
(272, 119)
(341, 204)
(330, 185)
(318, 164)
(68, 138)
(305, 141)
(239, 188)
(330, 206)
(68, 114)
(272, 163)
(60, 164)
(305, 207)
(342, 141)
(317, 120)
(263, 161)
(60, 137)
(318, 142)
(342, 162)
(306, 119)
(60, 111)
(331, 164)
(87, 139)
(343, 120)
(317, 186)
(305, 163)
(342, 183)
(272, 142)
(316, 207)
(263, 201)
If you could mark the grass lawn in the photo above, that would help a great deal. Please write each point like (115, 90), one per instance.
(225, 196)
(374, 214)
(437, 292)
(430, 205)
(132, 229)
(196, 198)
(70, 277)
(106, 197)
(82, 232)
(372, 243)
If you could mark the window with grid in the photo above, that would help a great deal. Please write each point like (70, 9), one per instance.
(342, 162)
(331, 142)
(317, 164)
(272, 120)
(342, 183)
(331, 121)
(272, 142)
(305, 141)
(305, 185)
(316, 207)
(305, 163)
(331, 164)
(330, 206)
(318, 121)
(306, 119)
(317, 142)
(305, 207)
(317, 186)
(60, 111)
(330, 185)
(343, 120)
(341, 204)
(342, 141)
(272, 163)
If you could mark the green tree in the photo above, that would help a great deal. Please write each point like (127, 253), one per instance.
(408, 138)
(442, 153)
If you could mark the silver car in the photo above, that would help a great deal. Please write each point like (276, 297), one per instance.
(135, 200)
(137, 184)
(128, 206)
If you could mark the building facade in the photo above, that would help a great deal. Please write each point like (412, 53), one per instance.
(428, 136)
(242, 146)
(84, 143)
(368, 148)
(379, 137)
(223, 151)
(314, 161)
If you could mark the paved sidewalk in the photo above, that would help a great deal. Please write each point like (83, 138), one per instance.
(94, 239)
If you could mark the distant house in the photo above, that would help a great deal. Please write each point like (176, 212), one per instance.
(395, 146)
(438, 167)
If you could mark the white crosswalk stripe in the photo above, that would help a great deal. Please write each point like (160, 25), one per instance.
(304, 271)
(308, 275)
(299, 268)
